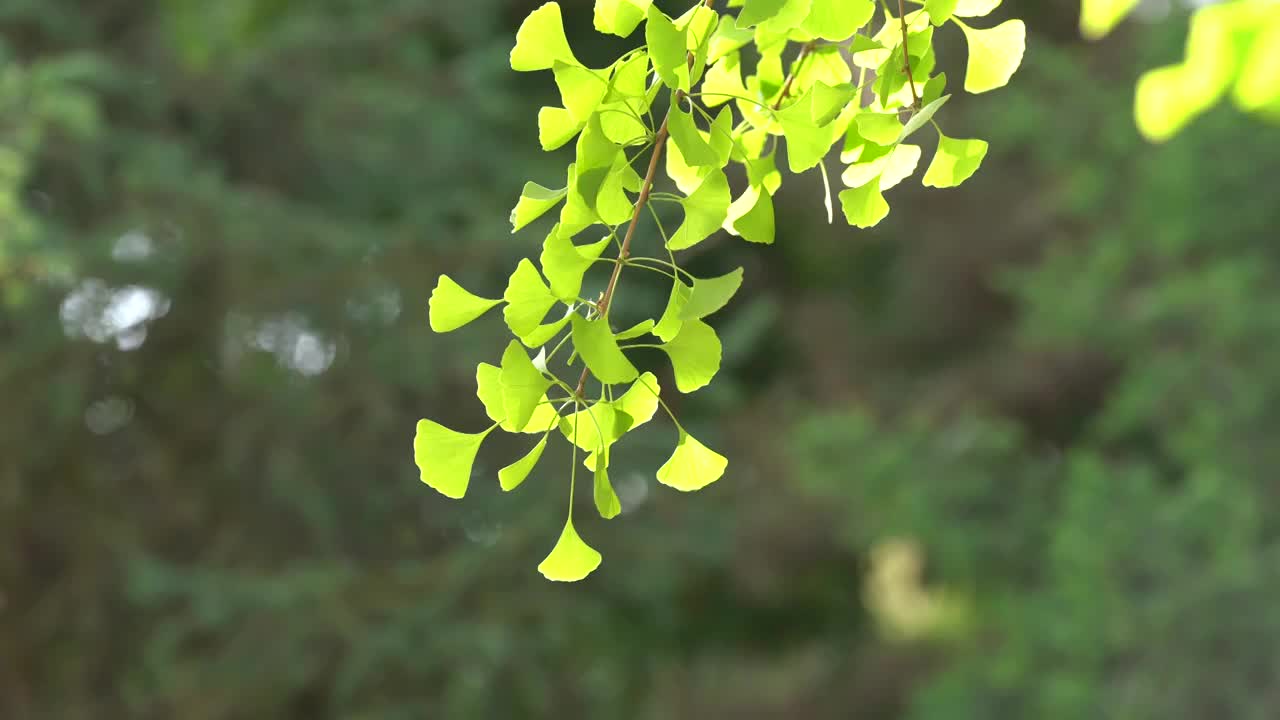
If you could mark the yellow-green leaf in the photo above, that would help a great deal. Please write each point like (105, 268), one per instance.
(444, 457)
(528, 299)
(595, 342)
(510, 477)
(1099, 17)
(954, 162)
(535, 201)
(692, 466)
(704, 211)
(620, 17)
(695, 355)
(451, 306)
(994, 55)
(606, 499)
(864, 206)
(523, 385)
(541, 41)
(571, 559)
(711, 294)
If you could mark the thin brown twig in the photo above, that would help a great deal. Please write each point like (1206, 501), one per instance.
(906, 54)
(659, 143)
(795, 70)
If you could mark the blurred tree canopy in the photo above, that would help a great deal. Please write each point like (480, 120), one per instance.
(1043, 403)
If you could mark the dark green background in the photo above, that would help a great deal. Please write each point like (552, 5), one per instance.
(219, 225)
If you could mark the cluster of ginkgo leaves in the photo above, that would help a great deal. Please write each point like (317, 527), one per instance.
(1233, 48)
(736, 89)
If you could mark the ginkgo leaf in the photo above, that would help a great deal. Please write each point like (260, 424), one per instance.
(670, 322)
(704, 211)
(581, 89)
(535, 201)
(444, 457)
(994, 55)
(868, 162)
(451, 306)
(595, 427)
(695, 355)
(510, 477)
(565, 264)
(827, 102)
(864, 206)
(879, 128)
(954, 162)
(541, 41)
(692, 466)
(607, 503)
(1099, 17)
(556, 127)
(640, 402)
(542, 334)
(711, 294)
(900, 164)
(571, 559)
(620, 17)
(933, 89)
(838, 20)
(489, 390)
(751, 216)
(667, 49)
(786, 19)
(596, 344)
(694, 148)
(755, 12)
(723, 81)
(637, 330)
(807, 143)
(528, 299)
(523, 385)
(919, 119)
(940, 11)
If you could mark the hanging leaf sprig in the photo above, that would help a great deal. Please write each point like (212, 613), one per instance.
(851, 83)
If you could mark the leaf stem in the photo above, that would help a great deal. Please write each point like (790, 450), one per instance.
(659, 143)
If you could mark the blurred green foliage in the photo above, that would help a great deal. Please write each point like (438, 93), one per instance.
(216, 246)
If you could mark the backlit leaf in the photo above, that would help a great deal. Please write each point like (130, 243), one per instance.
(667, 49)
(571, 559)
(528, 299)
(581, 89)
(444, 457)
(669, 324)
(596, 344)
(954, 162)
(620, 17)
(694, 148)
(838, 20)
(864, 206)
(535, 201)
(607, 503)
(711, 294)
(510, 477)
(704, 211)
(523, 386)
(695, 355)
(564, 263)
(1099, 17)
(451, 306)
(994, 55)
(692, 466)
(541, 41)
(751, 216)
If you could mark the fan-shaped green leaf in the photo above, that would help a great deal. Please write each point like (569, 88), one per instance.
(994, 55)
(670, 322)
(711, 294)
(556, 127)
(838, 20)
(755, 12)
(620, 17)
(523, 385)
(489, 390)
(975, 8)
(751, 216)
(607, 503)
(594, 341)
(704, 211)
(571, 559)
(879, 128)
(510, 477)
(864, 206)
(581, 89)
(692, 466)
(667, 49)
(541, 41)
(899, 165)
(535, 201)
(444, 457)
(451, 306)
(695, 355)
(694, 148)
(940, 11)
(564, 263)
(954, 162)
(528, 299)
(640, 401)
